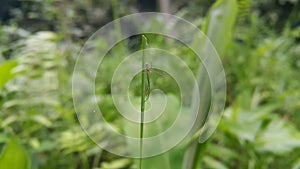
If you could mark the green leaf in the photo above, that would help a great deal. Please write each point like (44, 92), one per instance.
(6, 72)
(245, 125)
(213, 163)
(278, 138)
(14, 156)
(219, 151)
(244, 131)
(42, 120)
(218, 27)
(119, 163)
(171, 159)
(296, 165)
(219, 23)
(8, 120)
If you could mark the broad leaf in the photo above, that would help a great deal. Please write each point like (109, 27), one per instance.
(278, 138)
(14, 156)
(218, 28)
(219, 23)
(6, 72)
(245, 125)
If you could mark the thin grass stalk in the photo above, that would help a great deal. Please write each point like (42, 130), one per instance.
(143, 100)
(115, 9)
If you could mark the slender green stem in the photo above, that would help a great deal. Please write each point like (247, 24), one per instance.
(148, 85)
(84, 159)
(200, 151)
(115, 6)
(144, 42)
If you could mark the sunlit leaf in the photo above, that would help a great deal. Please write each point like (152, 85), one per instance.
(278, 138)
(116, 164)
(213, 163)
(8, 120)
(6, 72)
(218, 27)
(219, 23)
(296, 165)
(42, 120)
(14, 156)
(245, 125)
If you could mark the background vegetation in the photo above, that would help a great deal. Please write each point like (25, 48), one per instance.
(40, 41)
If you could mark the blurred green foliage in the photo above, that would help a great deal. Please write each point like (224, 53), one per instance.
(14, 156)
(40, 41)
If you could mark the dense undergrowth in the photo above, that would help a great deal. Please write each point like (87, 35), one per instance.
(260, 128)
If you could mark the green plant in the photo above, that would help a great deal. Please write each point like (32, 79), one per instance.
(260, 127)
(14, 156)
(143, 98)
(219, 38)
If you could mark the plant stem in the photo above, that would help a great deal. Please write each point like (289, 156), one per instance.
(143, 100)
(115, 6)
